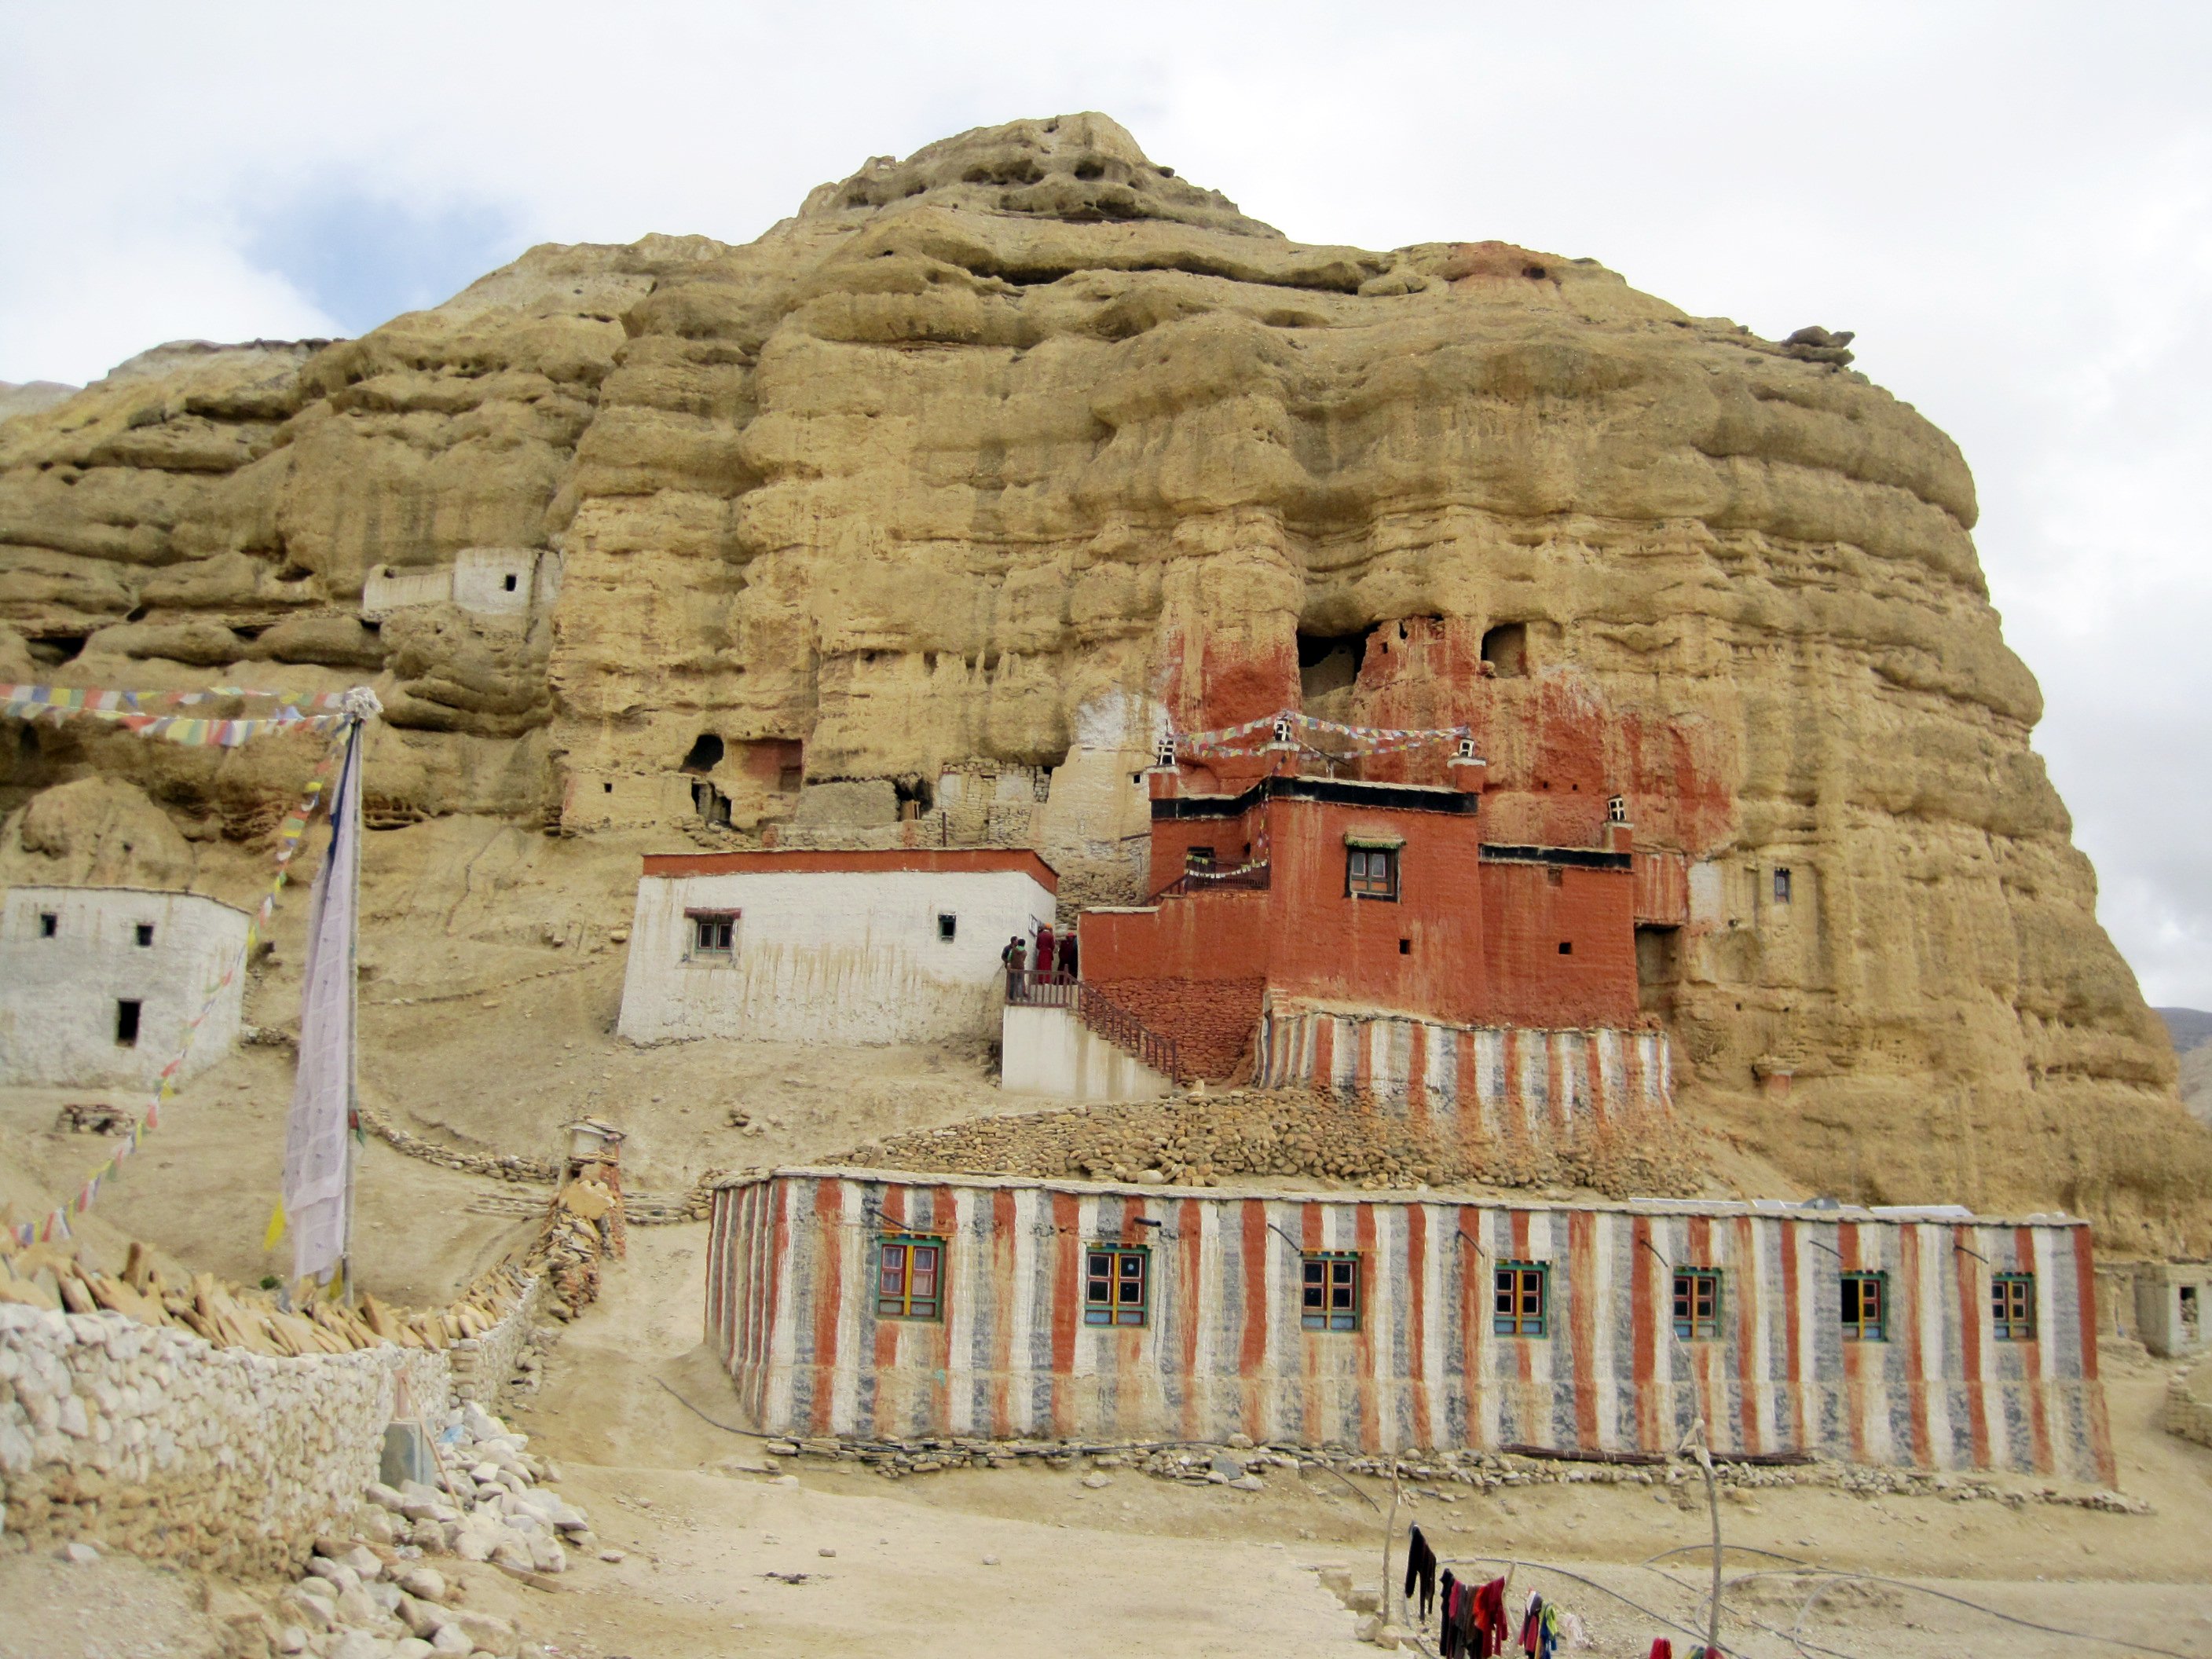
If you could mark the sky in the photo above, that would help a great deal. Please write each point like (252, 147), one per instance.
(2011, 203)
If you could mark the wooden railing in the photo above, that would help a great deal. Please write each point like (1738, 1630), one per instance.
(1029, 988)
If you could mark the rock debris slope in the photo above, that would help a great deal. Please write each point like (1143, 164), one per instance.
(934, 500)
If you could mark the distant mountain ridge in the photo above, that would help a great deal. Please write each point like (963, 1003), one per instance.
(2191, 1032)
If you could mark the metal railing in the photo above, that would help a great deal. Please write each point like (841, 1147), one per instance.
(1244, 878)
(1030, 988)
(1039, 988)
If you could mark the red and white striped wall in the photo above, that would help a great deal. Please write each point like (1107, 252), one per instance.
(1506, 1080)
(791, 1307)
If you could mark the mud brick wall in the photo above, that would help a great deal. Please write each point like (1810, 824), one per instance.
(1213, 1022)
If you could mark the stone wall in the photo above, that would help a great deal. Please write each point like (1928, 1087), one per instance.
(481, 1364)
(2187, 1411)
(150, 1440)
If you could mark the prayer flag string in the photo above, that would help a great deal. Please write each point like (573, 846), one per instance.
(1362, 739)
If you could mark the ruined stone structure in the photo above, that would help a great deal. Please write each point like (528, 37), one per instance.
(951, 491)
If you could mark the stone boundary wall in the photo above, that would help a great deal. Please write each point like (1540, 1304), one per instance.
(481, 1364)
(149, 1439)
(2183, 1412)
(514, 1167)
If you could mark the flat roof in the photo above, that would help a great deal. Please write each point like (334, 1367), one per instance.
(1768, 1208)
(811, 861)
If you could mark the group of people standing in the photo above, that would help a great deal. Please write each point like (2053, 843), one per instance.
(1045, 952)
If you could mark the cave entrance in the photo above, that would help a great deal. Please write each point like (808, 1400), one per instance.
(1505, 648)
(704, 755)
(1658, 967)
(1329, 668)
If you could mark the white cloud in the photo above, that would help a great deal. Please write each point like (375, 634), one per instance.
(2007, 201)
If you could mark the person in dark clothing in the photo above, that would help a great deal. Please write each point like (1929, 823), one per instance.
(1016, 957)
(1067, 953)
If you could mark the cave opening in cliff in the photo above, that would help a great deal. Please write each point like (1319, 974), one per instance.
(1658, 966)
(1505, 648)
(1328, 667)
(53, 650)
(705, 755)
(914, 796)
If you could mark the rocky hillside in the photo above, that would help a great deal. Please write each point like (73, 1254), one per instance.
(936, 501)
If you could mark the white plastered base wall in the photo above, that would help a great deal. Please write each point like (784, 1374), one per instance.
(1049, 1052)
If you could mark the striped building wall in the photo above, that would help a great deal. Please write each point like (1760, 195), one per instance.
(791, 1308)
(1502, 1078)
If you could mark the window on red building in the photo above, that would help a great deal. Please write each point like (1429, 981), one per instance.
(1371, 872)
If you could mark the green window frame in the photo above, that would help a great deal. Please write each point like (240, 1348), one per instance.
(1117, 1284)
(1329, 1291)
(1865, 1306)
(1521, 1299)
(910, 1276)
(1698, 1304)
(2012, 1307)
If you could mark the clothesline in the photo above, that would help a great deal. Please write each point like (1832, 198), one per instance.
(1364, 739)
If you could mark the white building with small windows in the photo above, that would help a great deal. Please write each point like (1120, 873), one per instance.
(898, 945)
(98, 985)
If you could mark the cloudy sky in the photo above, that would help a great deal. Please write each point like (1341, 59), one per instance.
(2011, 203)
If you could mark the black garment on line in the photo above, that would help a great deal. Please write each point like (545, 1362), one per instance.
(1445, 1586)
(1421, 1568)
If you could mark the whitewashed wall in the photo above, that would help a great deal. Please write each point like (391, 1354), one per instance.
(828, 957)
(1049, 1052)
(477, 580)
(58, 995)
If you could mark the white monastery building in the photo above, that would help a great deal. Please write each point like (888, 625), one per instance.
(97, 984)
(900, 946)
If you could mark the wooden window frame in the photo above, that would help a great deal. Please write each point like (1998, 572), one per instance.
(1512, 1280)
(695, 922)
(1693, 1327)
(1360, 879)
(897, 1297)
(1329, 1291)
(2012, 1307)
(1851, 1306)
(1126, 1264)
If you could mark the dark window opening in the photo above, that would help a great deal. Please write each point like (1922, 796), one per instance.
(609, 788)
(508, 583)
(50, 924)
(1781, 884)
(1866, 1307)
(1566, 947)
(2012, 1307)
(145, 932)
(126, 1024)
(1405, 947)
(1505, 648)
(1116, 1286)
(1328, 667)
(789, 780)
(910, 1274)
(948, 926)
(1697, 1303)
(713, 932)
(1329, 1293)
(705, 755)
(914, 798)
(1520, 1290)
(1198, 858)
(713, 806)
(1371, 872)
(1554, 876)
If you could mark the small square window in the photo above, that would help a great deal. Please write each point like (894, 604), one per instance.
(1866, 1307)
(1405, 947)
(909, 1278)
(145, 932)
(126, 1024)
(1116, 1286)
(1781, 884)
(1566, 947)
(1697, 1303)
(948, 926)
(713, 932)
(2012, 1307)
(1198, 858)
(1329, 1295)
(510, 584)
(1371, 872)
(1520, 1293)
(50, 923)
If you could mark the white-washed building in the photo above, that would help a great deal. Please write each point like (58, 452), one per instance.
(98, 984)
(896, 946)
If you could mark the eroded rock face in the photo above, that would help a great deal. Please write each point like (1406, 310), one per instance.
(969, 476)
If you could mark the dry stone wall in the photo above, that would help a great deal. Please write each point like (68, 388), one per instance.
(151, 1440)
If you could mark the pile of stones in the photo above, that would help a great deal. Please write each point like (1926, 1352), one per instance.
(1200, 1141)
(375, 1597)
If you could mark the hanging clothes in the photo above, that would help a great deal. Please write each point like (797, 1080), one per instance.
(1487, 1631)
(1661, 1648)
(1532, 1625)
(1421, 1571)
(1447, 1593)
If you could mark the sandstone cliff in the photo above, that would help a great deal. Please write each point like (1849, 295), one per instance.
(935, 501)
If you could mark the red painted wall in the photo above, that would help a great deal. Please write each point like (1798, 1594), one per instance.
(1528, 915)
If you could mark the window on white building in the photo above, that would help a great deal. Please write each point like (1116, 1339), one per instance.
(126, 1024)
(145, 932)
(948, 926)
(714, 933)
(49, 924)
